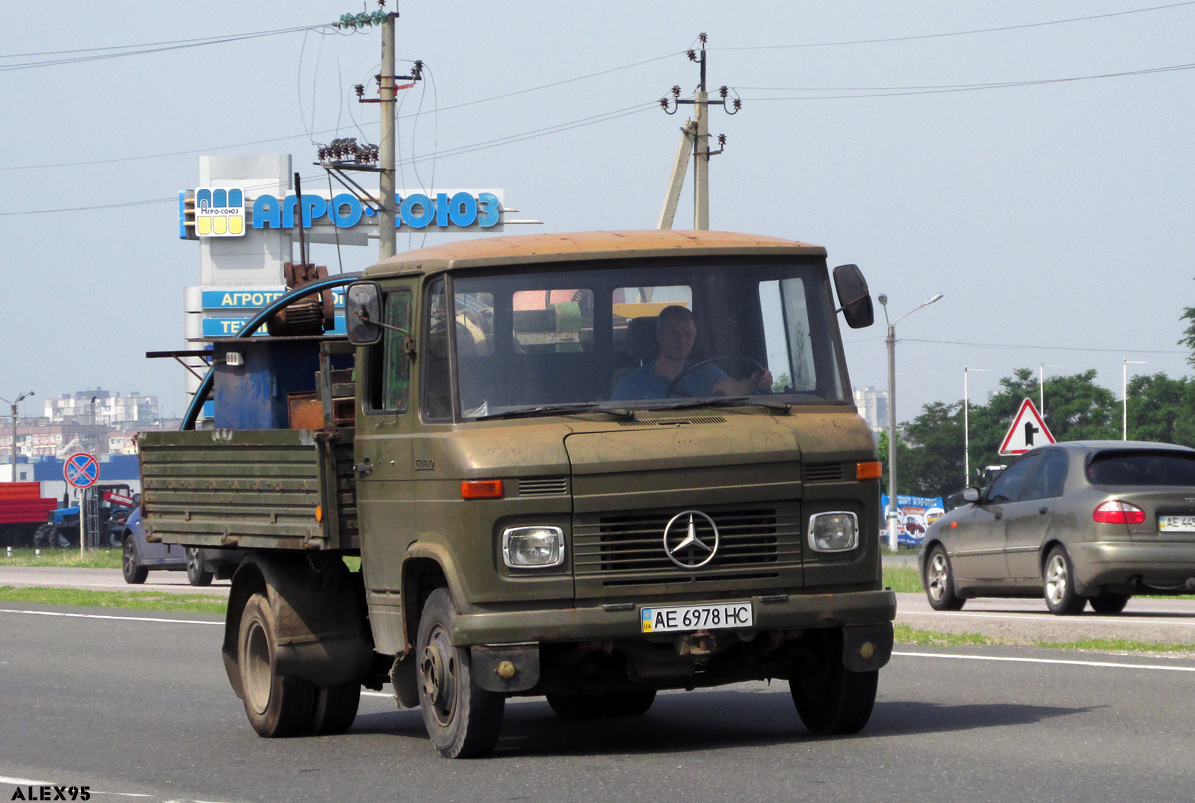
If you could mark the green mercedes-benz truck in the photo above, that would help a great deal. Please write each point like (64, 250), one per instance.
(586, 466)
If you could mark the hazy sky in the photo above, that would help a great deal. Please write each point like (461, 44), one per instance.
(1055, 217)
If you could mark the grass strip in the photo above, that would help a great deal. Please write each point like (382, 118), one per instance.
(931, 638)
(903, 579)
(135, 600)
(54, 558)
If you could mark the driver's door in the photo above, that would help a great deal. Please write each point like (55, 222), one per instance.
(981, 537)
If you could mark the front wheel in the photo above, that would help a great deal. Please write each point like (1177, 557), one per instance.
(197, 575)
(1058, 582)
(463, 720)
(938, 580)
(277, 705)
(134, 573)
(831, 700)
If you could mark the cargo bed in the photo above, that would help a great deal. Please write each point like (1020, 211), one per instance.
(250, 489)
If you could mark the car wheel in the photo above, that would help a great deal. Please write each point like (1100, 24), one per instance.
(463, 720)
(134, 573)
(277, 705)
(196, 574)
(1058, 581)
(600, 706)
(831, 700)
(1108, 602)
(938, 580)
(335, 709)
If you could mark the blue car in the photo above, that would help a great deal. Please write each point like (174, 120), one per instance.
(140, 556)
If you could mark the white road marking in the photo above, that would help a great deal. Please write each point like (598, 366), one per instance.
(118, 618)
(377, 694)
(23, 781)
(1098, 664)
(1030, 617)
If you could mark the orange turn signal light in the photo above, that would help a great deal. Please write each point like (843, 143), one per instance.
(319, 513)
(481, 489)
(871, 470)
(954, 524)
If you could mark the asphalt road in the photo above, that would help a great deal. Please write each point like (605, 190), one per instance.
(137, 704)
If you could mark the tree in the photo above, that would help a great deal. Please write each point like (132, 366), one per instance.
(1162, 409)
(933, 459)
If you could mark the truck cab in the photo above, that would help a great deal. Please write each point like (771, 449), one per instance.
(587, 466)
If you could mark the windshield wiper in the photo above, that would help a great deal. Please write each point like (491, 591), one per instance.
(724, 401)
(572, 407)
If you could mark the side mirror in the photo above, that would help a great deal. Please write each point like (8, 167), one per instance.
(363, 313)
(971, 495)
(854, 296)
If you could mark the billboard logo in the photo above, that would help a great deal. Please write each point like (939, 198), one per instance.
(219, 212)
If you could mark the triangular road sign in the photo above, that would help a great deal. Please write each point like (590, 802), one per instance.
(1028, 431)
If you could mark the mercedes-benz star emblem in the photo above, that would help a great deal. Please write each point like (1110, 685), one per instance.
(690, 539)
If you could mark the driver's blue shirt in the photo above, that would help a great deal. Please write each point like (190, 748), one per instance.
(645, 382)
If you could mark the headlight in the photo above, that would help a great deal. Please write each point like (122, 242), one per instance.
(833, 532)
(533, 547)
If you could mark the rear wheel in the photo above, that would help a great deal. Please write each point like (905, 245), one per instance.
(1058, 581)
(134, 573)
(43, 535)
(595, 706)
(276, 705)
(335, 709)
(463, 720)
(1108, 602)
(197, 575)
(938, 580)
(830, 700)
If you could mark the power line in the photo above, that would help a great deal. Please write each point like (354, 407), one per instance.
(217, 40)
(197, 41)
(271, 140)
(1009, 347)
(915, 37)
(479, 146)
(900, 91)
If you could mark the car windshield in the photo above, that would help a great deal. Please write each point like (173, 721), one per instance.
(642, 335)
(1142, 468)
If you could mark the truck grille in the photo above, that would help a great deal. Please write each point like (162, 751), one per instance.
(824, 472)
(543, 486)
(627, 547)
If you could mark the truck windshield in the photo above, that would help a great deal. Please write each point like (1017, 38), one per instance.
(643, 335)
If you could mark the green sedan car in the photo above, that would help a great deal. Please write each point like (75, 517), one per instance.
(1088, 521)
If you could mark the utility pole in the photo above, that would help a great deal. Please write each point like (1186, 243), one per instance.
(696, 140)
(14, 404)
(387, 233)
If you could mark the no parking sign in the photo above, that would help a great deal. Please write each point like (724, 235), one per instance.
(81, 470)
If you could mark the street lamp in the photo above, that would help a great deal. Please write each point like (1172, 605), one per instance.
(14, 404)
(1041, 386)
(1124, 394)
(967, 426)
(893, 508)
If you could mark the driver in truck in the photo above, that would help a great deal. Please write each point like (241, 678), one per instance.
(676, 332)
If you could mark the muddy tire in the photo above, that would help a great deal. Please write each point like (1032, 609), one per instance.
(830, 700)
(601, 706)
(463, 720)
(134, 573)
(335, 709)
(1109, 602)
(276, 705)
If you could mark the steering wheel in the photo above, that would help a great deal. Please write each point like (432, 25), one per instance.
(733, 358)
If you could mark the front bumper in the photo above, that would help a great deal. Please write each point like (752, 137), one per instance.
(615, 621)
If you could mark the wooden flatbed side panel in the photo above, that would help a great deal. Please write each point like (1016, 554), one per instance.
(253, 489)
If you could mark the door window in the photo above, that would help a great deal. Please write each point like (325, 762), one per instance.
(396, 363)
(1050, 477)
(1008, 486)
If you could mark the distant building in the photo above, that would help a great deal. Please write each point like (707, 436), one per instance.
(873, 406)
(101, 407)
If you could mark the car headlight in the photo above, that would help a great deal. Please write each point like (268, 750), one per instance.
(533, 547)
(833, 532)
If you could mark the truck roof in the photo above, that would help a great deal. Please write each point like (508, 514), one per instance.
(587, 245)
